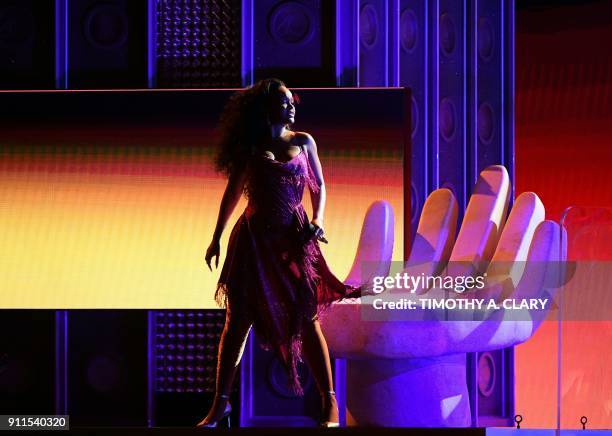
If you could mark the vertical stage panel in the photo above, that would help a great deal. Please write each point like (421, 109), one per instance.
(107, 44)
(433, 91)
(378, 42)
(27, 361)
(294, 41)
(27, 52)
(494, 388)
(107, 367)
(347, 42)
(490, 142)
(452, 99)
(265, 399)
(508, 92)
(413, 58)
(488, 93)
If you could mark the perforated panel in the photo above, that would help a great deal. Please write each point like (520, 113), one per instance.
(198, 43)
(186, 347)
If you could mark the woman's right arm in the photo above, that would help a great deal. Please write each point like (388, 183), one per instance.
(231, 196)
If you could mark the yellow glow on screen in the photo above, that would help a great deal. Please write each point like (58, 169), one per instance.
(74, 238)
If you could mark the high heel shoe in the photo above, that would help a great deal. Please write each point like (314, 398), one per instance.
(226, 414)
(329, 423)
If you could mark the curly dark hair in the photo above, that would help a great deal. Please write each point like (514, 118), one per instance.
(244, 125)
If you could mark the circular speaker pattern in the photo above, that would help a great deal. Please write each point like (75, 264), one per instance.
(104, 373)
(414, 116)
(447, 34)
(448, 119)
(486, 123)
(106, 26)
(415, 203)
(486, 374)
(291, 23)
(486, 39)
(409, 30)
(277, 377)
(368, 26)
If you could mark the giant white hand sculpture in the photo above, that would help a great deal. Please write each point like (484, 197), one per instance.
(413, 373)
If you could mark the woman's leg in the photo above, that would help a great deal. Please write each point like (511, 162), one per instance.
(316, 354)
(231, 347)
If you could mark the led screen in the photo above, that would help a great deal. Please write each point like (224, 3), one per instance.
(108, 199)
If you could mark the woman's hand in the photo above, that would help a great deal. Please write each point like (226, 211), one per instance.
(214, 249)
(318, 223)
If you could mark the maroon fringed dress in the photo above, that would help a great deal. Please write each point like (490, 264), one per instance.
(269, 274)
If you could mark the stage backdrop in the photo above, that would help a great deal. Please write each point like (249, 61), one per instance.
(108, 199)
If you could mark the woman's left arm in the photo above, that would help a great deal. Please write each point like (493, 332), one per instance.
(317, 198)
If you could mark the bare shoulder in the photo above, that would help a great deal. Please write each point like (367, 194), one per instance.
(304, 138)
